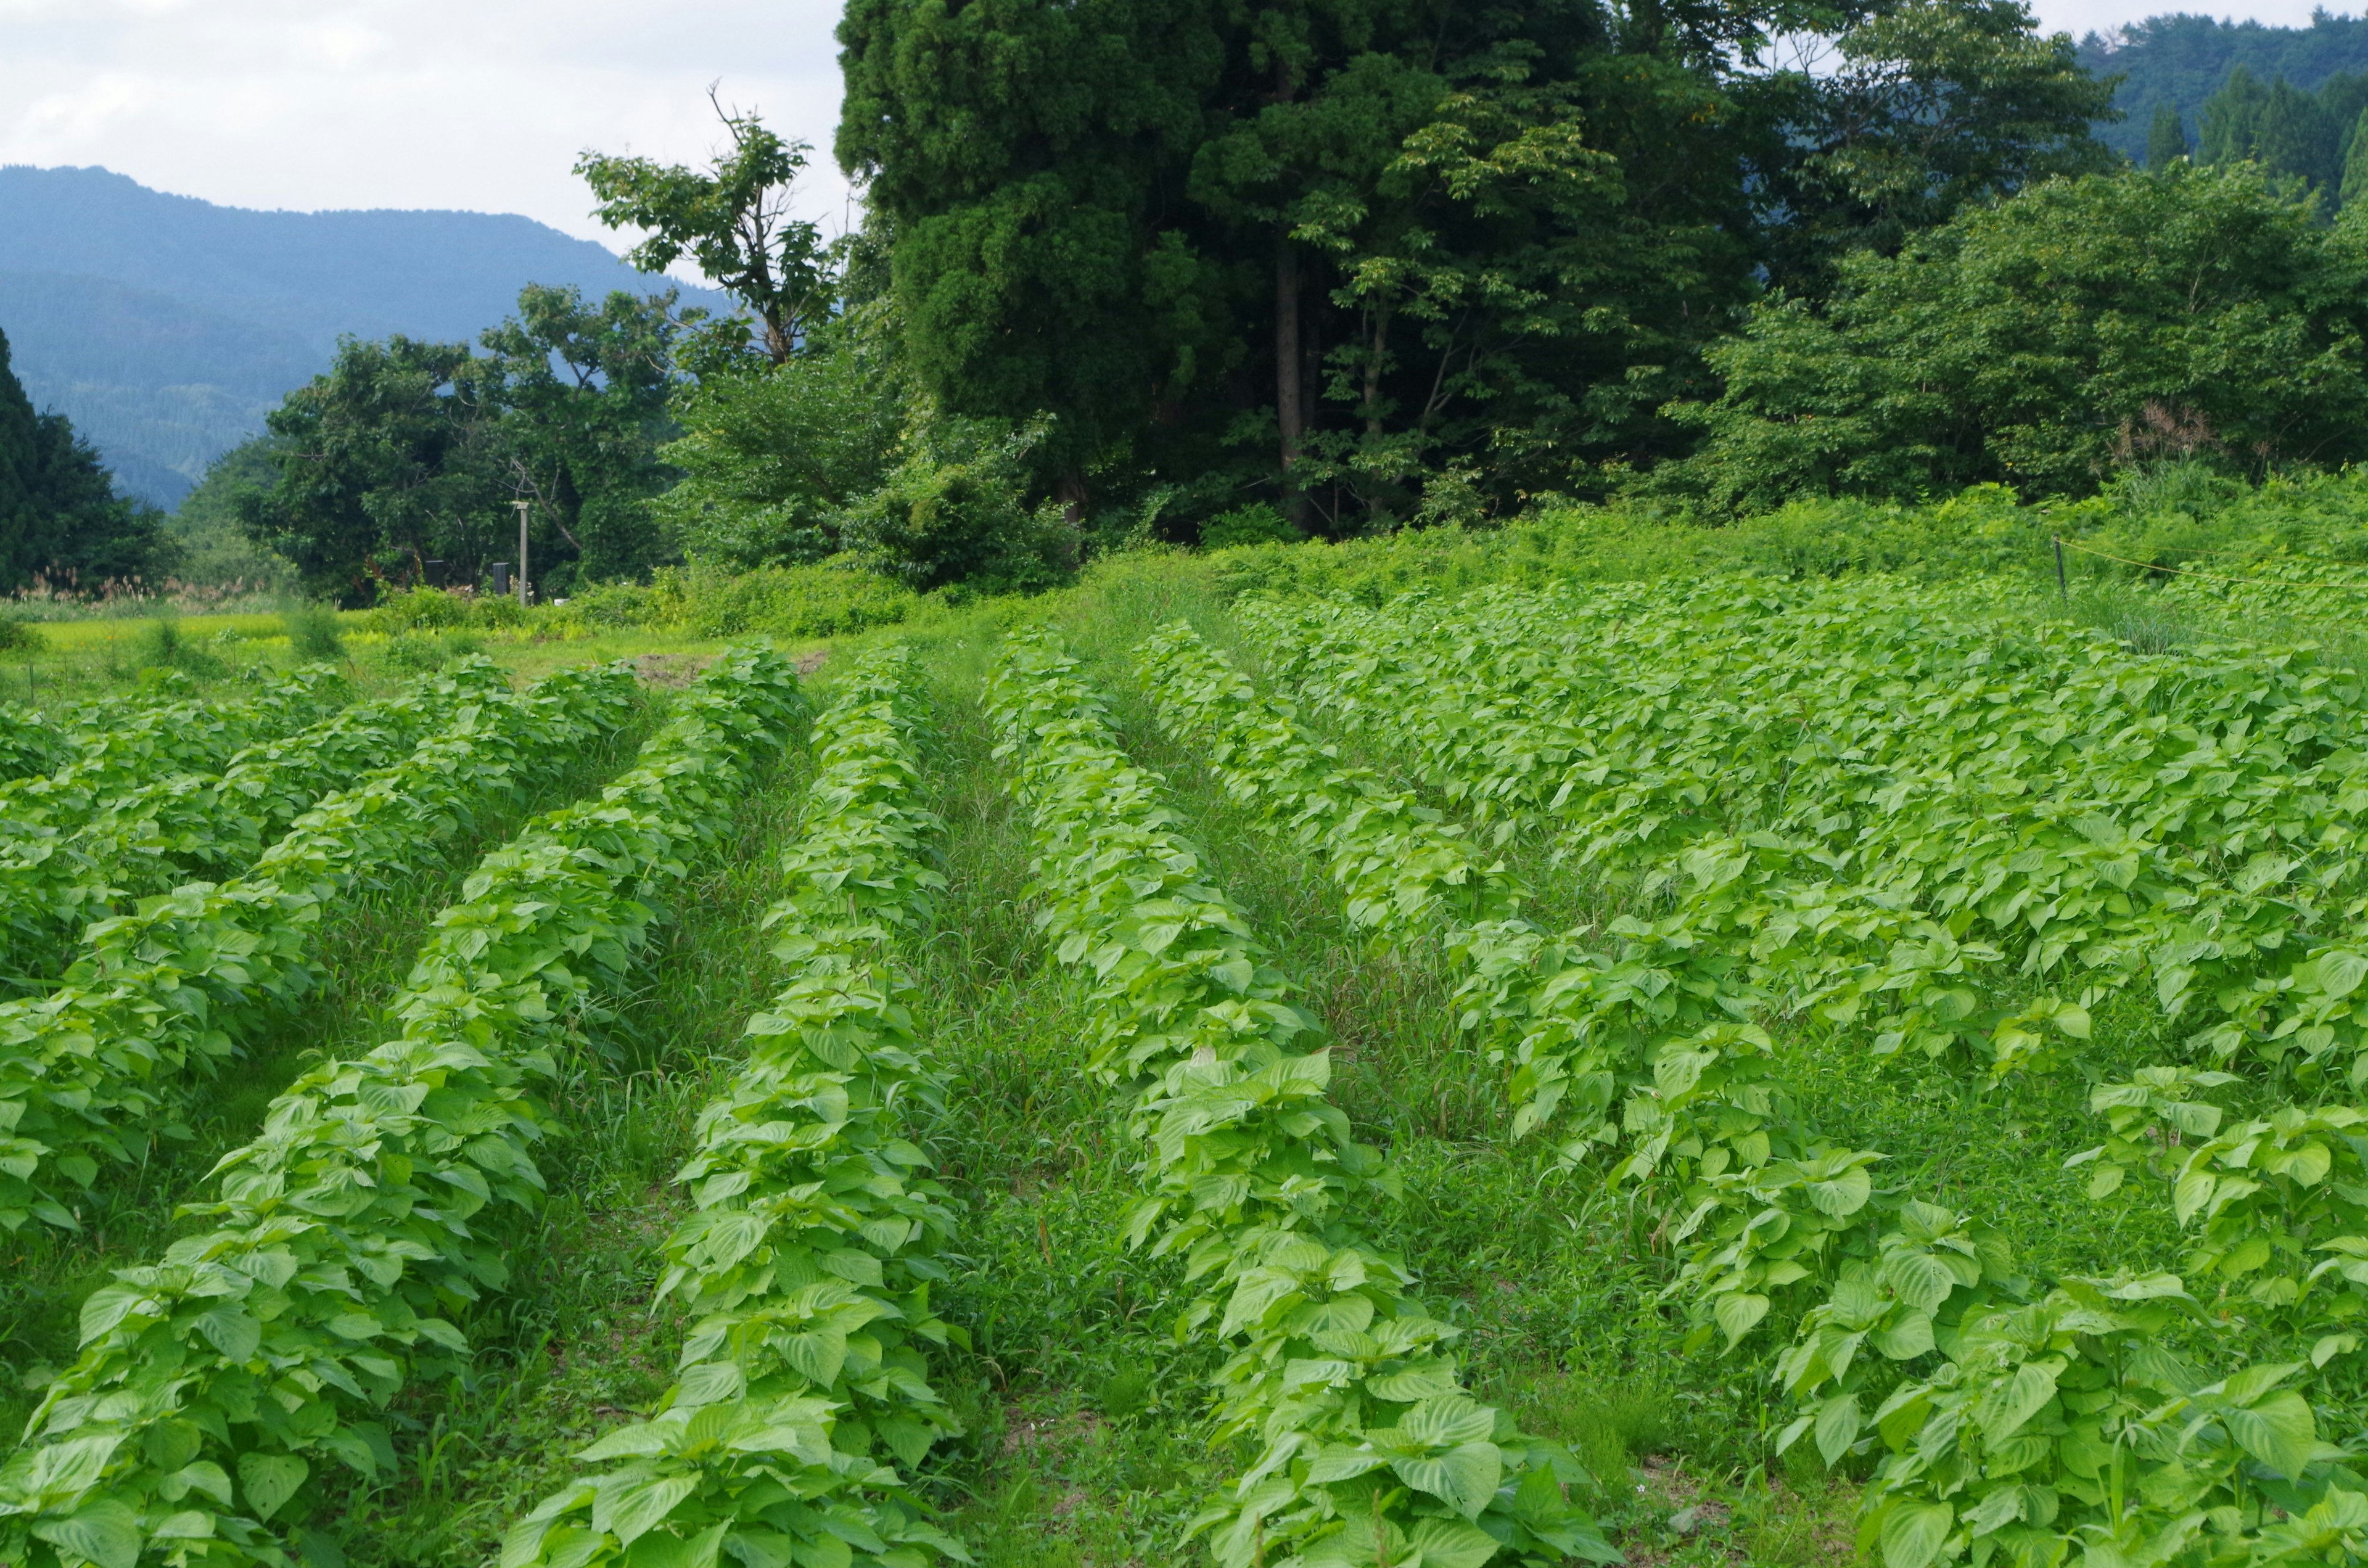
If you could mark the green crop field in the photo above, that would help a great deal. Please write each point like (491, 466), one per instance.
(1248, 1060)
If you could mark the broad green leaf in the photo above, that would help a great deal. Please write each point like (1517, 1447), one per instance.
(2279, 1431)
(268, 1480)
(1913, 1533)
(106, 1532)
(630, 1505)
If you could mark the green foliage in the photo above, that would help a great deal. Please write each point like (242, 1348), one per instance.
(314, 632)
(1255, 524)
(734, 222)
(2138, 1449)
(436, 609)
(2166, 138)
(407, 452)
(1252, 1177)
(169, 986)
(20, 637)
(407, 1145)
(771, 458)
(2043, 341)
(212, 547)
(955, 510)
(60, 519)
(1934, 108)
(1334, 253)
(812, 1319)
(2303, 137)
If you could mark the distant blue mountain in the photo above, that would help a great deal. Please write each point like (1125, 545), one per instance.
(166, 327)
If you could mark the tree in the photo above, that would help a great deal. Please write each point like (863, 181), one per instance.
(215, 549)
(2167, 137)
(770, 460)
(585, 392)
(1932, 107)
(1329, 252)
(60, 519)
(2079, 325)
(408, 451)
(732, 220)
(1026, 165)
(2355, 163)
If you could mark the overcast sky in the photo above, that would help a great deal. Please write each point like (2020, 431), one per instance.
(479, 104)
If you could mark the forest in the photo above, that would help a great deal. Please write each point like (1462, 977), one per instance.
(1190, 273)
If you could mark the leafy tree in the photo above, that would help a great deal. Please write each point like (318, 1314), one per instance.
(770, 460)
(1026, 162)
(60, 519)
(2355, 162)
(215, 548)
(1931, 106)
(2199, 312)
(584, 391)
(1329, 253)
(407, 452)
(2167, 137)
(733, 221)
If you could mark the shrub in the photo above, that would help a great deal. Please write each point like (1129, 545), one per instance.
(790, 601)
(17, 637)
(436, 609)
(162, 645)
(314, 632)
(1257, 523)
(413, 653)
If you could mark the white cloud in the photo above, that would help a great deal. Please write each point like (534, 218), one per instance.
(479, 104)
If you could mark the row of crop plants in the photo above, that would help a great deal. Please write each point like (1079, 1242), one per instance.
(1647, 1044)
(146, 825)
(804, 1402)
(219, 1388)
(1365, 1445)
(92, 1071)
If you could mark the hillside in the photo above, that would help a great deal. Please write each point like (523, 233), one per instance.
(166, 327)
(2184, 59)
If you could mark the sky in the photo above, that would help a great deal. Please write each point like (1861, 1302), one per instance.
(476, 104)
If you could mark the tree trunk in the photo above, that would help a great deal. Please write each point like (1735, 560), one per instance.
(1290, 410)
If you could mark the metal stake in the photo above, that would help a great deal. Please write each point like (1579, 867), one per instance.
(523, 505)
(2062, 591)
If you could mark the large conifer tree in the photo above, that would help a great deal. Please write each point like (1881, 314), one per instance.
(60, 516)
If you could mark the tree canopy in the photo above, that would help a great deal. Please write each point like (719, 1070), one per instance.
(1321, 253)
(2198, 313)
(408, 451)
(60, 519)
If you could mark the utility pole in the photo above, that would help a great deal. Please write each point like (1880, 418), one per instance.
(522, 508)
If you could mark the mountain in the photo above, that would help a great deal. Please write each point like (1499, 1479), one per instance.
(2183, 60)
(166, 328)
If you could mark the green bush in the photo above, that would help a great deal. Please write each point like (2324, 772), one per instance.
(162, 645)
(436, 609)
(19, 637)
(413, 653)
(794, 601)
(313, 633)
(1257, 523)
